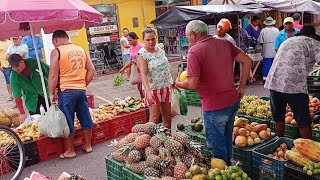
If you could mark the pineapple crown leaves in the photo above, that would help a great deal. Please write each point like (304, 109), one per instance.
(114, 143)
(160, 129)
(125, 150)
(194, 145)
(163, 164)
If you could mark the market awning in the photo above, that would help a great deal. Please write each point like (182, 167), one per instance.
(309, 6)
(181, 15)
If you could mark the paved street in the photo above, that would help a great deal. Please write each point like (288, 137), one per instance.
(92, 166)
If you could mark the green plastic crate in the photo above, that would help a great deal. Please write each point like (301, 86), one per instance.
(292, 131)
(266, 98)
(316, 135)
(267, 167)
(195, 136)
(244, 155)
(129, 175)
(258, 120)
(273, 126)
(114, 169)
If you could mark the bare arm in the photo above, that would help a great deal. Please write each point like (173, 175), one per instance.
(125, 44)
(246, 63)
(54, 72)
(125, 67)
(190, 83)
(143, 66)
(90, 70)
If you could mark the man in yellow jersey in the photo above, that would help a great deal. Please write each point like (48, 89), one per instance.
(71, 70)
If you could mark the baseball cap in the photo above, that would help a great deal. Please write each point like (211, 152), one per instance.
(288, 19)
(14, 59)
(296, 16)
(225, 24)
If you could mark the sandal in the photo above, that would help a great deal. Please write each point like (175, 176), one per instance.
(10, 99)
(86, 150)
(62, 156)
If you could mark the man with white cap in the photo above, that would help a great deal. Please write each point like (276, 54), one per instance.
(287, 32)
(223, 27)
(267, 39)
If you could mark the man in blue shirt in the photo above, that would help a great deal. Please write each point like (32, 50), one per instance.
(32, 53)
(286, 33)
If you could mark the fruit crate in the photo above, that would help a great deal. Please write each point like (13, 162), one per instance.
(266, 98)
(49, 148)
(138, 117)
(244, 155)
(259, 120)
(114, 169)
(5, 167)
(273, 126)
(129, 175)
(267, 167)
(119, 125)
(292, 131)
(313, 83)
(316, 135)
(196, 137)
(292, 172)
(100, 133)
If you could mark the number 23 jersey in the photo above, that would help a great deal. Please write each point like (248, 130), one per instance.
(72, 65)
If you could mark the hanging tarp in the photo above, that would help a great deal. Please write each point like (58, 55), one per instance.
(291, 6)
(181, 15)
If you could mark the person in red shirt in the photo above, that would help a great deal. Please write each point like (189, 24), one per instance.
(210, 72)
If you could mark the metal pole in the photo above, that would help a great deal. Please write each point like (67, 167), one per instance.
(238, 31)
(302, 17)
(39, 66)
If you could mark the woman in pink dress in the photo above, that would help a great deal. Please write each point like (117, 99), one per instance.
(134, 49)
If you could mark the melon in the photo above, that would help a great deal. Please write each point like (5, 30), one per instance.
(183, 76)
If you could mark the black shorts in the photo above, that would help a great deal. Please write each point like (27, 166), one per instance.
(299, 103)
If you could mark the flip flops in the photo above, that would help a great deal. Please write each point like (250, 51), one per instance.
(86, 150)
(10, 99)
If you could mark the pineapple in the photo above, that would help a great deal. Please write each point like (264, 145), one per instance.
(180, 170)
(150, 151)
(188, 159)
(139, 167)
(134, 156)
(155, 142)
(138, 128)
(181, 138)
(166, 168)
(131, 137)
(168, 178)
(142, 141)
(153, 161)
(151, 173)
(150, 128)
(174, 147)
(122, 143)
(118, 156)
(164, 153)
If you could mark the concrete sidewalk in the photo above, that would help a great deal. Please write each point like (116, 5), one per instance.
(92, 165)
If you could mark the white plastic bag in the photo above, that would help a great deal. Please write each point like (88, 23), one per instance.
(54, 124)
(175, 103)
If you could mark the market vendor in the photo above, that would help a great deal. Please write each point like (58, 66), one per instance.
(26, 83)
(223, 27)
(287, 80)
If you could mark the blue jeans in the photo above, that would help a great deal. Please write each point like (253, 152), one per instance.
(219, 131)
(75, 101)
(7, 73)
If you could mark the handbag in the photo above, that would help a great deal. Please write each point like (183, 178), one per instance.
(134, 77)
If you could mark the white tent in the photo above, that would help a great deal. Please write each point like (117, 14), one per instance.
(288, 6)
(221, 2)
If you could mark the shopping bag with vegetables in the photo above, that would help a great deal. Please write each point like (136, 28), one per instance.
(179, 104)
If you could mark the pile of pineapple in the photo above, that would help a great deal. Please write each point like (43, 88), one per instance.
(151, 151)
(256, 107)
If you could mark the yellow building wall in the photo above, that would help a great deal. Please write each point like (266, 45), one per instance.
(79, 38)
(144, 10)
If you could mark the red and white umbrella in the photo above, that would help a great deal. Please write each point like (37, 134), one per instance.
(25, 17)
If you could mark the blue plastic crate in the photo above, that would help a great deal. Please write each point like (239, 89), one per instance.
(267, 167)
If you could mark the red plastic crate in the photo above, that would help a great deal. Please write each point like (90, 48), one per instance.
(5, 167)
(100, 134)
(90, 100)
(119, 125)
(49, 148)
(78, 140)
(138, 117)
